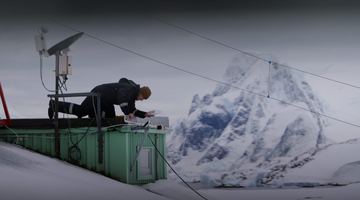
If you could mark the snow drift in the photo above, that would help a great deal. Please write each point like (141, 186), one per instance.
(31, 176)
(347, 174)
(335, 164)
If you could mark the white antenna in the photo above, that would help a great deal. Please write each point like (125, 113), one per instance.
(40, 42)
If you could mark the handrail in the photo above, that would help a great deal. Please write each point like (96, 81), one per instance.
(97, 115)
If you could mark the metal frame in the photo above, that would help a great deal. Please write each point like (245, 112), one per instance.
(59, 49)
(97, 115)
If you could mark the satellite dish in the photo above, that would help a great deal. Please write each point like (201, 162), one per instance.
(64, 44)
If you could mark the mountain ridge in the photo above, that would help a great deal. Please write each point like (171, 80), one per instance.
(244, 132)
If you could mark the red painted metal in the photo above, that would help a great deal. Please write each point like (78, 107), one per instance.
(6, 121)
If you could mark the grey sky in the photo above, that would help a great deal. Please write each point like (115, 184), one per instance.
(322, 41)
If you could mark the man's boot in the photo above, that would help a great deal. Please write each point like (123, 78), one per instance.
(51, 109)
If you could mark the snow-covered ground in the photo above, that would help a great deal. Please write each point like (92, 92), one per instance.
(350, 192)
(32, 176)
(334, 164)
(176, 191)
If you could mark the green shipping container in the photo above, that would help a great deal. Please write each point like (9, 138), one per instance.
(130, 154)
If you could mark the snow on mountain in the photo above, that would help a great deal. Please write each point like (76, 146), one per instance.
(236, 137)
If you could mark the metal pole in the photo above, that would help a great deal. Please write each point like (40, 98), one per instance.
(56, 110)
(100, 134)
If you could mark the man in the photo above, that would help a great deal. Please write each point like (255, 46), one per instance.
(123, 93)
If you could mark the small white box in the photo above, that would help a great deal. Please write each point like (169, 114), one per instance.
(64, 65)
(40, 44)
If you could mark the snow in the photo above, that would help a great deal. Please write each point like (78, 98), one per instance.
(31, 176)
(350, 192)
(329, 165)
(349, 173)
(179, 191)
(172, 190)
(28, 175)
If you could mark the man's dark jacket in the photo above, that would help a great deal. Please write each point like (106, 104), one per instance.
(123, 93)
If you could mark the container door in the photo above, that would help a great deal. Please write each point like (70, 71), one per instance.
(146, 164)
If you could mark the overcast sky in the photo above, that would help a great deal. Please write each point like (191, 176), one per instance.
(321, 38)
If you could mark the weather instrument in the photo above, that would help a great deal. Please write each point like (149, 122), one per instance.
(62, 69)
(60, 50)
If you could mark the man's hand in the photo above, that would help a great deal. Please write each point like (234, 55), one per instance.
(150, 114)
(130, 117)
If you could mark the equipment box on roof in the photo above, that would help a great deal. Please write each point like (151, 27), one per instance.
(131, 153)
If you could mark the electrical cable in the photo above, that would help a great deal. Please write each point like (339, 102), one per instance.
(249, 54)
(145, 127)
(209, 39)
(175, 172)
(74, 148)
(269, 80)
(41, 75)
(203, 76)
